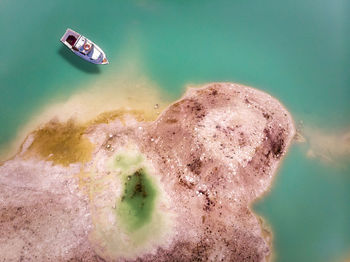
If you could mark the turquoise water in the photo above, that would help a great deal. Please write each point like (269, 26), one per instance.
(297, 51)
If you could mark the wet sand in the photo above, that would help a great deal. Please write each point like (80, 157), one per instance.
(175, 189)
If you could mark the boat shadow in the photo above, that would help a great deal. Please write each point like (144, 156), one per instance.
(78, 62)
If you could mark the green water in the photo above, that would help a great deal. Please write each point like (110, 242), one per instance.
(137, 202)
(297, 51)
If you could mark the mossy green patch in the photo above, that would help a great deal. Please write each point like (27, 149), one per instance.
(131, 214)
(127, 162)
(136, 205)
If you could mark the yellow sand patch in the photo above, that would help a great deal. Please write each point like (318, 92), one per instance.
(62, 143)
(109, 116)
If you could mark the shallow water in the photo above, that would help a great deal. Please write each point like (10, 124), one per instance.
(297, 51)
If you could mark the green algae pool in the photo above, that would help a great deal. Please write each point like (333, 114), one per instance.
(297, 51)
(136, 205)
(137, 202)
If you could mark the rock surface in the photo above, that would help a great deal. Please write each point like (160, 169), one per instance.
(175, 189)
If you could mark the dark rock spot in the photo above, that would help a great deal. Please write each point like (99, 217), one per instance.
(171, 121)
(184, 183)
(266, 115)
(276, 142)
(195, 166)
(208, 204)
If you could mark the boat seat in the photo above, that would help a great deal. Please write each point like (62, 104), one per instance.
(71, 39)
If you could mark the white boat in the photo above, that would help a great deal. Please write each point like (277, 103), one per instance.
(84, 47)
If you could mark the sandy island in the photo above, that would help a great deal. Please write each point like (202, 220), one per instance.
(126, 188)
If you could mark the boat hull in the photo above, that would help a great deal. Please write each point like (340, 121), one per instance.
(83, 47)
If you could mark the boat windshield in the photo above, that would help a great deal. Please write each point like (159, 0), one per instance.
(71, 39)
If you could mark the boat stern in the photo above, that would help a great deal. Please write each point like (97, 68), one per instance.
(69, 38)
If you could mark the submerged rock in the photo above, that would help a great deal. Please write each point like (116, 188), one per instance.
(175, 189)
